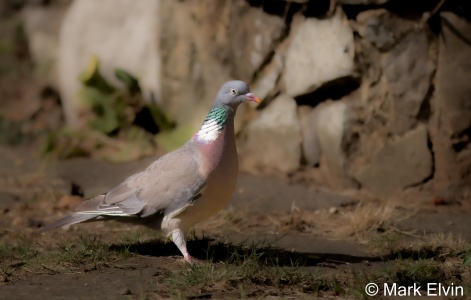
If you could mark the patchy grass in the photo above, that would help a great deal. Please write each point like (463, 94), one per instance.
(88, 250)
(25, 255)
(393, 244)
(230, 270)
(421, 272)
(255, 271)
(367, 217)
(244, 269)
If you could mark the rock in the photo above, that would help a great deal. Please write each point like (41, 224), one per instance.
(323, 135)
(265, 85)
(393, 96)
(42, 26)
(408, 72)
(274, 137)
(454, 67)
(260, 35)
(402, 163)
(311, 147)
(320, 51)
(202, 48)
(125, 291)
(382, 28)
(121, 35)
(323, 129)
(331, 118)
(450, 124)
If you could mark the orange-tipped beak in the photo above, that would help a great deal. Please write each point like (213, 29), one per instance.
(251, 97)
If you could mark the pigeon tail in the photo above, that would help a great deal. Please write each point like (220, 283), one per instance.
(69, 220)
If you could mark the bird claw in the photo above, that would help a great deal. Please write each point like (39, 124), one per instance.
(191, 260)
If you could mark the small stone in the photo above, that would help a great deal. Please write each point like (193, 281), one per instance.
(126, 292)
(333, 210)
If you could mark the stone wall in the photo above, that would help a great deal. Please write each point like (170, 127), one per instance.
(359, 93)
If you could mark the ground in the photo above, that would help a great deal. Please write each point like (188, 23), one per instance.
(278, 238)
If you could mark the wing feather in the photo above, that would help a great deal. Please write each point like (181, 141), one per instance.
(167, 185)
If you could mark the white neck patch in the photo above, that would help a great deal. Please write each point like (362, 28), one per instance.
(209, 131)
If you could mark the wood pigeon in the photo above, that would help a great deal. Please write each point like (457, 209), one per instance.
(182, 187)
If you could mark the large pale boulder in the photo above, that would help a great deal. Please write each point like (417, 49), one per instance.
(399, 164)
(273, 139)
(320, 50)
(331, 120)
(121, 33)
(266, 83)
(311, 147)
(323, 129)
(42, 25)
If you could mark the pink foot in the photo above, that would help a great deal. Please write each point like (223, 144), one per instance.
(191, 260)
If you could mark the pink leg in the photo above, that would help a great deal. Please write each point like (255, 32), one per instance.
(178, 238)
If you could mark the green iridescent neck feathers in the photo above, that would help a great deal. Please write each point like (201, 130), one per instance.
(212, 124)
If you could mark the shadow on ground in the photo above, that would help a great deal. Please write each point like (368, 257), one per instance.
(208, 249)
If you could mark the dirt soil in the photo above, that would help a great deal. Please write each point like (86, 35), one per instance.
(328, 233)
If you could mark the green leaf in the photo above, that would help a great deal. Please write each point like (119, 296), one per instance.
(131, 83)
(105, 117)
(92, 77)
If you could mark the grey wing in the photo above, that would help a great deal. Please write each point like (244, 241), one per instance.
(167, 185)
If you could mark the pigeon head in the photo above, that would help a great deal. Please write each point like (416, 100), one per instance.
(233, 93)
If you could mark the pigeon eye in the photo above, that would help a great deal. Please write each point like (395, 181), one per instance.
(233, 91)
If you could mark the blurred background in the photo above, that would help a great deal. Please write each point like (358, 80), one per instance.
(358, 160)
(358, 94)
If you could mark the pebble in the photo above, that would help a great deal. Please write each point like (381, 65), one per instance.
(333, 210)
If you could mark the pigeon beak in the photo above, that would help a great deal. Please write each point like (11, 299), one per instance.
(251, 97)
